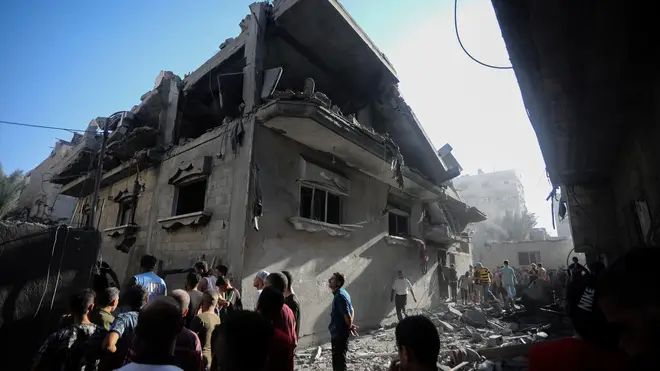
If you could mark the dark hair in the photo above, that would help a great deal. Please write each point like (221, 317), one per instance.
(277, 280)
(420, 338)
(575, 259)
(182, 298)
(148, 262)
(107, 296)
(220, 281)
(202, 265)
(289, 279)
(627, 281)
(270, 303)
(339, 278)
(222, 269)
(159, 323)
(135, 297)
(80, 302)
(506, 262)
(193, 279)
(241, 341)
(540, 265)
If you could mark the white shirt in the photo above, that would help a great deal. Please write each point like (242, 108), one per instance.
(401, 286)
(143, 367)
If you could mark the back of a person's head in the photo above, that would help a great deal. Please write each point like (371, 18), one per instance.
(210, 298)
(243, 341)
(270, 302)
(107, 296)
(587, 319)
(193, 278)
(222, 270)
(159, 323)
(135, 297)
(340, 278)
(148, 262)
(182, 298)
(289, 279)
(420, 338)
(80, 302)
(202, 265)
(277, 280)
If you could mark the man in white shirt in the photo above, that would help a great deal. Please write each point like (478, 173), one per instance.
(400, 295)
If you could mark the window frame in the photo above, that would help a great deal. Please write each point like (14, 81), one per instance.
(327, 190)
(124, 206)
(175, 205)
(398, 213)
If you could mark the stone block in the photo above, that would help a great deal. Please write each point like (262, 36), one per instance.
(495, 340)
(475, 317)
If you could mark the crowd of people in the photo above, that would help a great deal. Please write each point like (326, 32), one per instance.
(144, 326)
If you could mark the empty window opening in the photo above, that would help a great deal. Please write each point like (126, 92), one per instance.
(398, 224)
(125, 212)
(529, 257)
(320, 205)
(190, 198)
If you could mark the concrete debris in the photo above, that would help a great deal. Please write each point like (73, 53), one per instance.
(475, 317)
(471, 340)
(226, 42)
(495, 340)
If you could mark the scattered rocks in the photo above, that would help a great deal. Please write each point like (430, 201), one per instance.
(447, 326)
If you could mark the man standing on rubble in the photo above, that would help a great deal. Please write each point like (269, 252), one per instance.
(576, 269)
(400, 295)
(509, 282)
(453, 283)
(341, 321)
(485, 278)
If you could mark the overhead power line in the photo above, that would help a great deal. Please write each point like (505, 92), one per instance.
(458, 37)
(41, 126)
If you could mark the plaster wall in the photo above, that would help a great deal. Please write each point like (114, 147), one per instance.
(368, 262)
(553, 253)
(38, 187)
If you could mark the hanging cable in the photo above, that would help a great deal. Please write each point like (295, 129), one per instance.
(458, 37)
(59, 269)
(50, 262)
(42, 126)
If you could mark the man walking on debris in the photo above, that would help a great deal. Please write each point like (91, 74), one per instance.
(485, 278)
(464, 282)
(509, 283)
(341, 321)
(400, 295)
(453, 283)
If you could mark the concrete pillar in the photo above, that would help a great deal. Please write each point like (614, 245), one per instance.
(169, 93)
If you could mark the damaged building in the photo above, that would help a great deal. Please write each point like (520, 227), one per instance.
(285, 150)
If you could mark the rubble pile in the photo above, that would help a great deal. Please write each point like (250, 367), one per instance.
(471, 338)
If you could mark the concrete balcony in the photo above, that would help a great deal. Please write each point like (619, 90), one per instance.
(320, 128)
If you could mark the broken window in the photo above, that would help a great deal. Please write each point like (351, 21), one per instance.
(399, 223)
(529, 257)
(190, 198)
(125, 212)
(320, 204)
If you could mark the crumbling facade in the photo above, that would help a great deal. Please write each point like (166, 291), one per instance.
(286, 150)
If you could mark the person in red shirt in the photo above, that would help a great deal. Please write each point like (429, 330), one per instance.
(594, 346)
(286, 321)
(248, 341)
(271, 306)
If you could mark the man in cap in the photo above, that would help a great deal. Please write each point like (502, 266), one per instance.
(259, 282)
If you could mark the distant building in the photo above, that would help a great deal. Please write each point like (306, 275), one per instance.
(40, 199)
(493, 193)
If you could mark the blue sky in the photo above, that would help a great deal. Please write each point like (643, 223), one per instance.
(64, 63)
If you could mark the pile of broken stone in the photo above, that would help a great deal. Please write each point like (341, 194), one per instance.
(470, 338)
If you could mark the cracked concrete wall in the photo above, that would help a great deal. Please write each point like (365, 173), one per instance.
(369, 263)
(124, 264)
